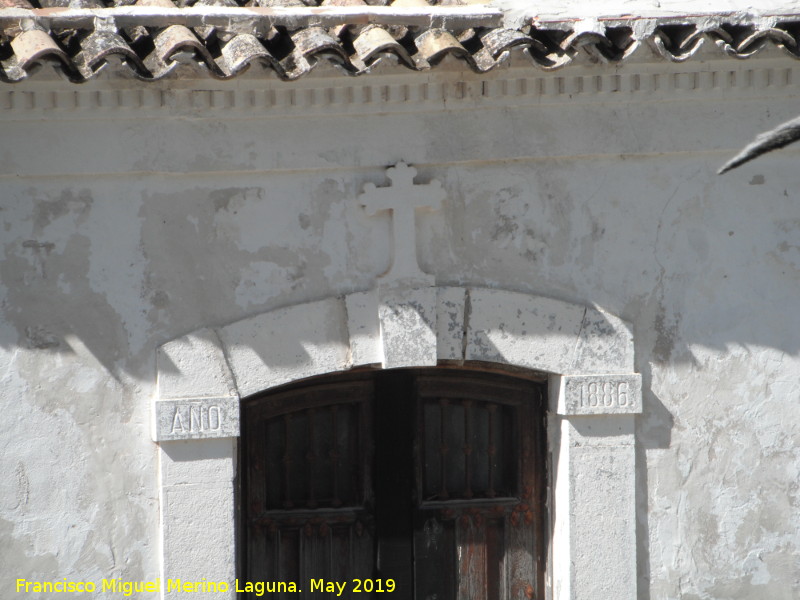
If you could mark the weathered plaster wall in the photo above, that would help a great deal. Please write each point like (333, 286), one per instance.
(123, 230)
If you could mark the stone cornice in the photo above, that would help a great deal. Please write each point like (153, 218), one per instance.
(394, 90)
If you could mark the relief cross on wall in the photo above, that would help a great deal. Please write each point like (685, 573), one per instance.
(403, 197)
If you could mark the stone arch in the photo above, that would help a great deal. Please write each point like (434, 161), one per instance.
(585, 350)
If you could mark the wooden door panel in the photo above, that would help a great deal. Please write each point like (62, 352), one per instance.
(307, 485)
(477, 468)
(428, 477)
(333, 548)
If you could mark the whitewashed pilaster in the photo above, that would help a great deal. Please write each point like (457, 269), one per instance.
(196, 422)
(594, 485)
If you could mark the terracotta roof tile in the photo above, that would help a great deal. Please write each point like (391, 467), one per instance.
(222, 38)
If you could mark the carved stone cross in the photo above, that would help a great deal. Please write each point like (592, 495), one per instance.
(403, 197)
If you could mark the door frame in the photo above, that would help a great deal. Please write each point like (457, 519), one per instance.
(594, 397)
(389, 404)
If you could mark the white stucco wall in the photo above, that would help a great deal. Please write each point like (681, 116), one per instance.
(124, 228)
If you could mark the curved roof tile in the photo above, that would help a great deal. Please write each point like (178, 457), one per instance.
(149, 39)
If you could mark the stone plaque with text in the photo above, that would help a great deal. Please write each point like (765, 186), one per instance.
(192, 419)
(601, 394)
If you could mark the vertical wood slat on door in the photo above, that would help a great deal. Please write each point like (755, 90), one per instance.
(471, 543)
(496, 559)
(288, 544)
(314, 557)
(435, 556)
(482, 557)
(525, 532)
(521, 564)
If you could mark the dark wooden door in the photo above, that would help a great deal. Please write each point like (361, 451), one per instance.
(430, 478)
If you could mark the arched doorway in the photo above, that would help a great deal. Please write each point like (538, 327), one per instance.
(591, 444)
(426, 482)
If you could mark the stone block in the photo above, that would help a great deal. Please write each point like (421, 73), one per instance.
(199, 526)
(195, 418)
(602, 490)
(605, 344)
(594, 482)
(450, 323)
(408, 326)
(599, 394)
(287, 344)
(602, 430)
(198, 462)
(194, 366)
(527, 331)
(364, 328)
